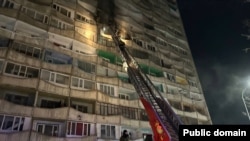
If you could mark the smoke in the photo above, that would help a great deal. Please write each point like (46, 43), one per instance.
(105, 11)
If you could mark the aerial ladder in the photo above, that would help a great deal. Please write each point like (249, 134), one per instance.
(163, 120)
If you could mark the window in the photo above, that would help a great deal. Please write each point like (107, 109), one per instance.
(21, 71)
(152, 48)
(192, 83)
(110, 90)
(123, 96)
(35, 15)
(78, 128)
(144, 115)
(11, 123)
(83, 19)
(48, 129)
(27, 50)
(83, 84)
(61, 10)
(87, 67)
(60, 24)
(51, 104)
(4, 42)
(108, 131)
(17, 99)
(171, 77)
(54, 77)
(8, 4)
(81, 108)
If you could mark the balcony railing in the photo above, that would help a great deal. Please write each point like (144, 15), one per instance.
(53, 88)
(130, 122)
(107, 80)
(19, 82)
(6, 33)
(85, 117)
(3, 51)
(108, 119)
(63, 68)
(80, 73)
(16, 136)
(21, 58)
(25, 18)
(14, 109)
(9, 12)
(84, 94)
(55, 113)
(40, 42)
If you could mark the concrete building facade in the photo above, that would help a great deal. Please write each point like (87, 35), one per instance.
(62, 79)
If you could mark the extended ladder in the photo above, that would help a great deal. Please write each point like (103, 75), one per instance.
(163, 120)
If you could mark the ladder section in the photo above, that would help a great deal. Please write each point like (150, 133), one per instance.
(161, 110)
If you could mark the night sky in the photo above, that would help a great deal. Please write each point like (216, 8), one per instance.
(213, 29)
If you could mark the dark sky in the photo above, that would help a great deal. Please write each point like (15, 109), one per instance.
(213, 29)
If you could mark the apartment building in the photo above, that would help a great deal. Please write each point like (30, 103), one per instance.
(62, 79)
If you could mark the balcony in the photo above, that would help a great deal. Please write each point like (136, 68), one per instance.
(32, 21)
(195, 115)
(80, 73)
(66, 3)
(129, 103)
(19, 82)
(130, 122)
(55, 113)
(66, 33)
(6, 33)
(107, 80)
(17, 136)
(108, 119)
(90, 5)
(40, 137)
(63, 68)
(107, 99)
(53, 88)
(9, 12)
(29, 40)
(126, 85)
(21, 58)
(3, 51)
(144, 124)
(14, 109)
(84, 94)
(85, 117)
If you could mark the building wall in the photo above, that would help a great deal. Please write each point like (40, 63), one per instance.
(60, 71)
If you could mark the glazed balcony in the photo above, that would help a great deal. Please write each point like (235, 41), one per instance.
(144, 124)
(66, 33)
(6, 33)
(80, 73)
(60, 49)
(40, 42)
(25, 18)
(35, 136)
(16, 136)
(86, 26)
(107, 64)
(130, 122)
(63, 68)
(9, 12)
(108, 119)
(55, 113)
(24, 59)
(14, 109)
(85, 117)
(49, 87)
(19, 82)
(107, 80)
(79, 37)
(3, 51)
(84, 94)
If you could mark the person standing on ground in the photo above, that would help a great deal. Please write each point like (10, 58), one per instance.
(125, 136)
